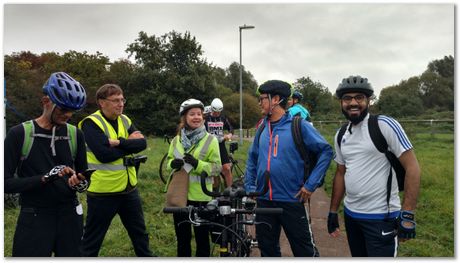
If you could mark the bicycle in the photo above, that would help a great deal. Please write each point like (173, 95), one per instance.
(162, 170)
(233, 206)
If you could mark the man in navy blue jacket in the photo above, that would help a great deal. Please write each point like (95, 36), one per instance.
(275, 152)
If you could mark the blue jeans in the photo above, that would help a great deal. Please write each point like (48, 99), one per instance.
(294, 221)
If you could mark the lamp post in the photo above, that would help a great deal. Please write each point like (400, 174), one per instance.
(241, 85)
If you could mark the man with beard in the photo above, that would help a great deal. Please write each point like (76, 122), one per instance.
(374, 217)
(44, 161)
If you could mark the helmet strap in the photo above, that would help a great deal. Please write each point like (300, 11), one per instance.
(51, 119)
(272, 106)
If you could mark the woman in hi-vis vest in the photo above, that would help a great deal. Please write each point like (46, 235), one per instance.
(195, 150)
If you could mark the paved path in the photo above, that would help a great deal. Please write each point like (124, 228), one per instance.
(327, 246)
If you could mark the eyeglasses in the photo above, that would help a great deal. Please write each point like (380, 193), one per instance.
(261, 98)
(117, 101)
(359, 98)
(64, 110)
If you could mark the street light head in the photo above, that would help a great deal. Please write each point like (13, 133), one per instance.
(246, 27)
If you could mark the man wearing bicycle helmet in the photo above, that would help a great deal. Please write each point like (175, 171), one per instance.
(276, 153)
(215, 124)
(112, 140)
(295, 108)
(194, 147)
(44, 161)
(374, 217)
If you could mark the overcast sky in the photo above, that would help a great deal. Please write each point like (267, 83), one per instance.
(386, 43)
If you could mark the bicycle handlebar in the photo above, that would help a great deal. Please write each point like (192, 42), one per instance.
(233, 192)
(257, 211)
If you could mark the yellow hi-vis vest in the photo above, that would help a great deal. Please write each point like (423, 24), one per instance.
(110, 177)
(207, 152)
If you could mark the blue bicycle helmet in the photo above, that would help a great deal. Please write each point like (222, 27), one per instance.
(65, 92)
(297, 95)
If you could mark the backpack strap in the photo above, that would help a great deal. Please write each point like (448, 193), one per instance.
(29, 131)
(342, 131)
(376, 134)
(259, 131)
(382, 145)
(296, 130)
(72, 134)
(29, 135)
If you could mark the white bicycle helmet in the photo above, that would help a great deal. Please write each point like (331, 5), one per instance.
(207, 109)
(188, 104)
(217, 105)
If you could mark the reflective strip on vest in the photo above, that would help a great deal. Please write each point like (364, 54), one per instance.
(107, 167)
(197, 179)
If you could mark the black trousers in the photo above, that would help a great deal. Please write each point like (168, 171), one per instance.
(184, 235)
(101, 211)
(294, 221)
(42, 231)
(371, 237)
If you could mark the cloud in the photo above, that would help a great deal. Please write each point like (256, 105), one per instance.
(384, 42)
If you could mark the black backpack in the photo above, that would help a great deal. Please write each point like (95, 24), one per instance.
(309, 160)
(381, 144)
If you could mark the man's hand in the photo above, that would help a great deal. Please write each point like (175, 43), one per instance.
(136, 135)
(303, 195)
(56, 173)
(78, 182)
(114, 142)
(406, 225)
(333, 224)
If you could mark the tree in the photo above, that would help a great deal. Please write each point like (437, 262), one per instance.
(251, 110)
(170, 69)
(436, 91)
(316, 96)
(443, 67)
(232, 79)
(401, 100)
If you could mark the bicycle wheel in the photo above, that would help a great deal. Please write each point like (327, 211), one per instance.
(162, 170)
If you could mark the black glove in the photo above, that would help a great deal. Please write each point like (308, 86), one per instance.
(188, 158)
(53, 174)
(177, 164)
(405, 231)
(81, 187)
(332, 222)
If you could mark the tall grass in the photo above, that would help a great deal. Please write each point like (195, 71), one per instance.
(434, 215)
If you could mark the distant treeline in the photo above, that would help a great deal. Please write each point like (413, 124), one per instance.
(171, 68)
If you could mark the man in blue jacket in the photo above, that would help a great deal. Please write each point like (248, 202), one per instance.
(275, 152)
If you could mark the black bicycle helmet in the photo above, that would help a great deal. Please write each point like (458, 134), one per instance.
(65, 92)
(275, 87)
(354, 84)
(297, 95)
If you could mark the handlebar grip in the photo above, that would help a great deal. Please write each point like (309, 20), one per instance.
(268, 211)
(204, 188)
(176, 210)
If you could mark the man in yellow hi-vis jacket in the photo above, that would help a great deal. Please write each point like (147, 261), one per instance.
(111, 140)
